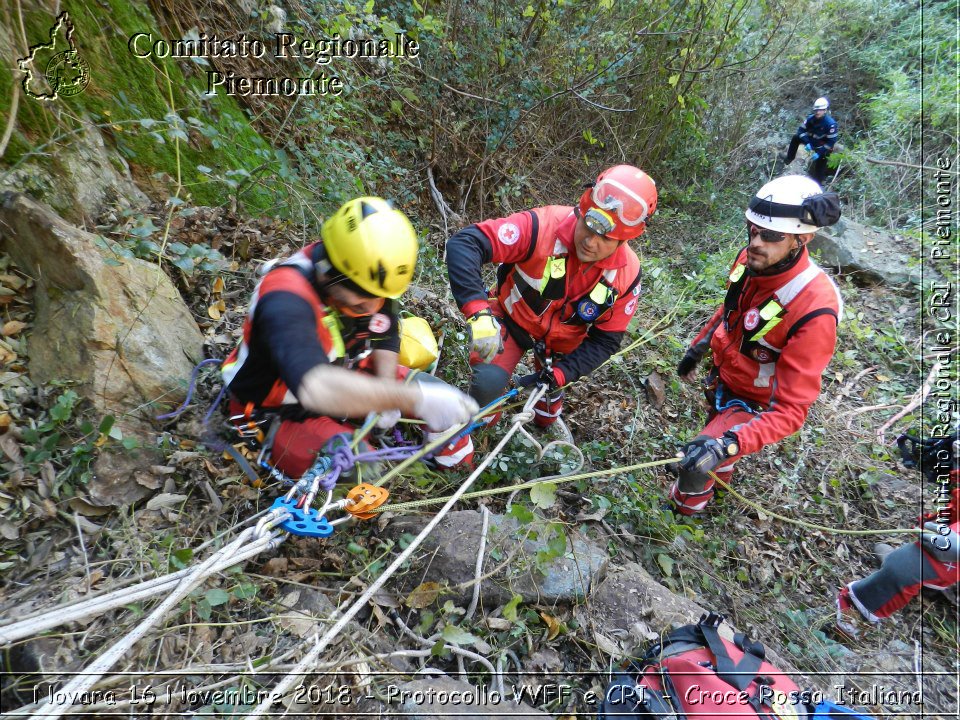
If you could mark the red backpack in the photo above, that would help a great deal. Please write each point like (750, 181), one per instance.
(693, 672)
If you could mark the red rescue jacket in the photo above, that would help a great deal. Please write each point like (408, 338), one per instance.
(546, 290)
(771, 341)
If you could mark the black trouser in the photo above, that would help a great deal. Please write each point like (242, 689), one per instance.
(818, 168)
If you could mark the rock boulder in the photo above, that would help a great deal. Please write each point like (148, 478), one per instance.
(450, 554)
(870, 256)
(119, 330)
(629, 607)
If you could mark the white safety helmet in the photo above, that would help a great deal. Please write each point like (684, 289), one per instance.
(780, 205)
(821, 103)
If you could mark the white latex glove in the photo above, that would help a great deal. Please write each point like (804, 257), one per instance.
(387, 419)
(441, 406)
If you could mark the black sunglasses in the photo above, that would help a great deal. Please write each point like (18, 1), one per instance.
(770, 236)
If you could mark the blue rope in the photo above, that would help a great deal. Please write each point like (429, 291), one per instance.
(735, 402)
(481, 423)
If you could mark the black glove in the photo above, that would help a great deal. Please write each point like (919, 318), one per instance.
(690, 360)
(705, 453)
(543, 377)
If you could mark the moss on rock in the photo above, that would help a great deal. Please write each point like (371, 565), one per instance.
(153, 114)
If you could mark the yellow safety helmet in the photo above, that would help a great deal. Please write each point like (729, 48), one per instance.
(373, 245)
(418, 346)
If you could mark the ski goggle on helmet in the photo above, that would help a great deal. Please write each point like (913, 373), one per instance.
(619, 203)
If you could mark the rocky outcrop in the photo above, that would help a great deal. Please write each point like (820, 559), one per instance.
(88, 178)
(118, 330)
(450, 555)
(868, 255)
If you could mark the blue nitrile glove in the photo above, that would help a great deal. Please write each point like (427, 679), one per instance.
(809, 147)
(815, 156)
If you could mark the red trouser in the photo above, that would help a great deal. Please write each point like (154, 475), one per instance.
(692, 491)
(897, 582)
(489, 380)
(297, 442)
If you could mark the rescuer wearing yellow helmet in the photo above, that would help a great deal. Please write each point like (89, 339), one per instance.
(321, 337)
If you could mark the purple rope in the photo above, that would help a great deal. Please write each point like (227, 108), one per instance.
(343, 460)
(215, 404)
(190, 390)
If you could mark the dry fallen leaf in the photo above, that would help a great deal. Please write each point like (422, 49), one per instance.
(95, 577)
(165, 500)
(498, 623)
(47, 480)
(217, 309)
(217, 286)
(84, 507)
(11, 448)
(424, 595)
(13, 327)
(14, 282)
(607, 645)
(275, 567)
(8, 530)
(553, 625)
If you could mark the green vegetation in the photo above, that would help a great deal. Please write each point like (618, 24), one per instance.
(159, 121)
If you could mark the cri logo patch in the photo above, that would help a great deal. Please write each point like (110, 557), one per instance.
(379, 323)
(508, 233)
(751, 319)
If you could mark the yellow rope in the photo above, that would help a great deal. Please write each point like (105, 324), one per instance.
(556, 479)
(804, 523)
(416, 504)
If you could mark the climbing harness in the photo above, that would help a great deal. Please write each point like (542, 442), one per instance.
(734, 402)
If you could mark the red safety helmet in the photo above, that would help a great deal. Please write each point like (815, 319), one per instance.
(619, 203)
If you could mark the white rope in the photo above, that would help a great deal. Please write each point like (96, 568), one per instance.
(96, 606)
(565, 441)
(310, 658)
(261, 537)
(478, 569)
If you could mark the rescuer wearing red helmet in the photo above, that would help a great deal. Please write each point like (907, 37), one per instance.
(567, 286)
(770, 339)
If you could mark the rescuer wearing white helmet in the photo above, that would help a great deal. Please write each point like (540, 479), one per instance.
(818, 134)
(771, 338)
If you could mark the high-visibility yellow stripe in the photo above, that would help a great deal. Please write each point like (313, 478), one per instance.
(600, 293)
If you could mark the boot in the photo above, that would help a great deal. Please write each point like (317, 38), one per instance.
(881, 550)
(457, 453)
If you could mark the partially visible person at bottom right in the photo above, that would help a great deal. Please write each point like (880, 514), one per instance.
(932, 562)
